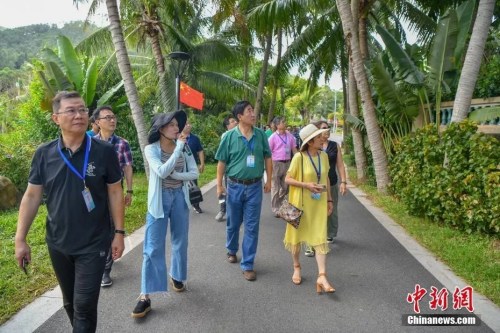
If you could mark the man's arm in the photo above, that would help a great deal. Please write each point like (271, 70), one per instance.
(128, 172)
(269, 174)
(27, 212)
(201, 156)
(115, 197)
(221, 170)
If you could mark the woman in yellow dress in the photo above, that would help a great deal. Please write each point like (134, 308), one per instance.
(310, 190)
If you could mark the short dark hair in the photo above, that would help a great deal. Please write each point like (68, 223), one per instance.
(97, 111)
(56, 101)
(225, 122)
(239, 108)
(278, 120)
(320, 122)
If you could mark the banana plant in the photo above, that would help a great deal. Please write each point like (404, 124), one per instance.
(66, 71)
(447, 51)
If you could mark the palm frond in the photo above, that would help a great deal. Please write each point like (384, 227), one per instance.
(485, 114)
(97, 43)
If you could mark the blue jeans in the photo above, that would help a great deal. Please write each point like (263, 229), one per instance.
(154, 266)
(244, 203)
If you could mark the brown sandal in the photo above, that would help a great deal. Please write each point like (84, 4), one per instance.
(296, 281)
(320, 287)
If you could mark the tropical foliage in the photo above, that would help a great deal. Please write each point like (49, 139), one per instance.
(463, 193)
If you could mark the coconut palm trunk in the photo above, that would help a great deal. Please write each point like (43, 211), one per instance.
(357, 136)
(126, 74)
(263, 73)
(473, 59)
(274, 95)
(370, 117)
(160, 67)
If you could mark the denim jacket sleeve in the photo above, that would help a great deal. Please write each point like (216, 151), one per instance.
(153, 155)
(192, 169)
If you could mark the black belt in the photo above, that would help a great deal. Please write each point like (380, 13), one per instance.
(245, 181)
(282, 161)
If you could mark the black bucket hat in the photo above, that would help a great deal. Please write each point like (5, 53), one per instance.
(161, 119)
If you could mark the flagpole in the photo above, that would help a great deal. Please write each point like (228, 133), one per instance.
(181, 60)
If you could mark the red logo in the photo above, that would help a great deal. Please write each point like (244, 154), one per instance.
(462, 298)
(416, 297)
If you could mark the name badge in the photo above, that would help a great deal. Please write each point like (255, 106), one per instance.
(250, 161)
(316, 196)
(287, 151)
(89, 202)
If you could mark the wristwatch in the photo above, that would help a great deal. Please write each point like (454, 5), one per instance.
(130, 191)
(118, 231)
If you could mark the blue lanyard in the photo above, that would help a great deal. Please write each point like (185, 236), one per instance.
(318, 172)
(284, 141)
(85, 161)
(249, 144)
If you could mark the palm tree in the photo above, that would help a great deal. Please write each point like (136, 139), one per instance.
(126, 74)
(268, 42)
(369, 112)
(473, 60)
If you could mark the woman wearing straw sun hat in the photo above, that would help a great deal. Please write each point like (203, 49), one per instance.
(310, 191)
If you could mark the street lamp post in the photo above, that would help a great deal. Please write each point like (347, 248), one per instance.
(180, 61)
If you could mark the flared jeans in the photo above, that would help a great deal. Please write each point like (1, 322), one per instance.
(154, 266)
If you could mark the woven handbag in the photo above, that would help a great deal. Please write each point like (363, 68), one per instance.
(290, 213)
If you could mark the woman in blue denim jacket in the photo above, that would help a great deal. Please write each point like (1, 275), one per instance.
(171, 167)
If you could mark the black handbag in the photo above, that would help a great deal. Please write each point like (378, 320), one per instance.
(195, 195)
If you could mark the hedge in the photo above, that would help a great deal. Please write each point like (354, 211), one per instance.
(453, 178)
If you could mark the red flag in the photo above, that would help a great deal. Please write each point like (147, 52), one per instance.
(191, 97)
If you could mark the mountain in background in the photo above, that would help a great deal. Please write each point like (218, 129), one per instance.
(23, 43)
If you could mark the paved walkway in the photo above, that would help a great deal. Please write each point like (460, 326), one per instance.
(371, 270)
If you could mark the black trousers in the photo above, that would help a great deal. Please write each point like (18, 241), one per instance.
(196, 205)
(80, 279)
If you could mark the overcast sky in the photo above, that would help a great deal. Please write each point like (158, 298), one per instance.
(18, 13)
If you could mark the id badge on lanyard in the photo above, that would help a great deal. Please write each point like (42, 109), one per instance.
(251, 161)
(87, 196)
(250, 145)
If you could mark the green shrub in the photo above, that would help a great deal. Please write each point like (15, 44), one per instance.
(32, 127)
(15, 157)
(459, 188)
(209, 129)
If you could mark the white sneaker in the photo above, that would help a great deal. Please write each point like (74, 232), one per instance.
(309, 253)
(220, 216)
(330, 240)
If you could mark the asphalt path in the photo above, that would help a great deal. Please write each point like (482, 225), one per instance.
(371, 270)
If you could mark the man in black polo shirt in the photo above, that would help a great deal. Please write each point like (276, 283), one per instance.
(80, 177)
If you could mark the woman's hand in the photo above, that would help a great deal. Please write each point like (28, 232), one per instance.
(182, 137)
(343, 188)
(330, 208)
(313, 187)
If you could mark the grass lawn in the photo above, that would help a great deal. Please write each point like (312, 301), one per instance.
(475, 257)
(16, 289)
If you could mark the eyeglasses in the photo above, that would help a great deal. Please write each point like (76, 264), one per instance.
(73, 112)
(108, 118)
